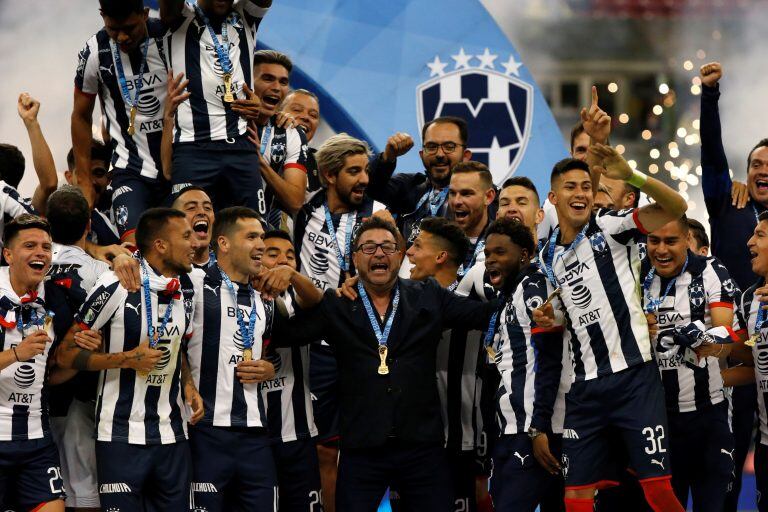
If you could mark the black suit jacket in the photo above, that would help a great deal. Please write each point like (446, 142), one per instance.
(404, 403)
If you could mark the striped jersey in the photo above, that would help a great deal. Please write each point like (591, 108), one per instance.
(704, 285)
(134, 408)
(748, 306)
(525, 387)
(23, 385)
(205, 116)
(11, 205)
(600, 290)
(287, 398)
(217, 347)
(97, 74)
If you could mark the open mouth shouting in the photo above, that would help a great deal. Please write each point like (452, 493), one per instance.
(357, 193)
(495, 277)
(461, 216)
(761, 184)
(37, 265)
(379, 268)
(270, 100)
(201, 227)
(579, 206)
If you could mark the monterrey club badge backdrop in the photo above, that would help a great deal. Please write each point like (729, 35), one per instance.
(380, 67)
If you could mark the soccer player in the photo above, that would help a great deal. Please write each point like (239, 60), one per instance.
(282, 150)
(323, 236)
(34, 314)
(413, 196)
(212, 44)
(386, 341)
(699, 240)
(304, 106)
(45, 168)
(288, 402)
(615, 382)
(74, 401)
(198, 208)
(141, 421)
(679, 288)
(125, 65)
(730, 228)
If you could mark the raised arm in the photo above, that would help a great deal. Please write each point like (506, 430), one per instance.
(42, 159)
(176, 96)
(597, 124)
(715, 178)
(382, 186)
(82, 119)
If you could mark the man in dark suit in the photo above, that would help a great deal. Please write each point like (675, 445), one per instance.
(385, 344)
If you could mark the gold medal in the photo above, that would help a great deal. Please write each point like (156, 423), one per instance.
(228, 96)
(131, 123)
(383, 368)
(247, 354)
(48, 325)
(491, 353)
(752, 341)
(552, 296)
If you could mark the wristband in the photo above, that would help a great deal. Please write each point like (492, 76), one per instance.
(637, 179)
(16, 355)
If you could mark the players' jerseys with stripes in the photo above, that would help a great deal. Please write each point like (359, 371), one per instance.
(205, 116)
(11, 206)
(705, 284)
(133, 407)
(316, 251)
(217, 348)
(284, 148)
(286, 397)
(97, 74)
(23, 387)
(599, 279)
(517, 344)
(103, 230)
(748, 306)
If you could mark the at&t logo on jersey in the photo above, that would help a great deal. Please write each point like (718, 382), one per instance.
(24, 376)
(497, 105)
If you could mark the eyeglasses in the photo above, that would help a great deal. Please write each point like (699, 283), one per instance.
(431, 148)
(371, 247)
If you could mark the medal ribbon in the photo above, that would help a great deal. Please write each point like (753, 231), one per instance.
(245, 331)
(435, 200)
(549, 263)
(132, 103)
(760, 320)
(381, 337)
(342, 257)
(491, 331)
(226, 64)
(478, 249)
(652, 305)
(265, 137)
(148, 308)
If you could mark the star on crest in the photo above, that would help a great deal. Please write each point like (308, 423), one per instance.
(462, 60)
(486, 59)
(436, 67)
(512, 67)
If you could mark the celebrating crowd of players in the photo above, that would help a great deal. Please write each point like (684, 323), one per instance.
(215, 316)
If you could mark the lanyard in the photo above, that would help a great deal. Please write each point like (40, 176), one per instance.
(151, 333)
(754, 210)
(132, 103)
(489, 334)
(34, 320)
(479, 246)
(452, 287)
(652, 305)
(381, 337)
(342, 257)
(435, 200)
(245, 331)
(549, 263)
(226, 64)
(265, 137)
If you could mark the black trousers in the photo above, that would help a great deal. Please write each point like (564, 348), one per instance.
(419, 472)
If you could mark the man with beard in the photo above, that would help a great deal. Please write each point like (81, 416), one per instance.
(470, 192)
(144, 363)
(323, 236)
(198, 209)
(414, 196)
(304, 106)
(385, 344)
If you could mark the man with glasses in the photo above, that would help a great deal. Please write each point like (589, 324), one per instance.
(385, 345)
(413, 196)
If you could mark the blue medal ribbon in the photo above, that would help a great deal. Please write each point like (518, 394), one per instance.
(452, 287)
(226, 64)
(549, 263)
(245, 331)
(132, 103)
(435, 200)
(34, 320)
(760, 320)
(754, 209)
(342, 257)
(491, 331)
(381, 337)
(151, 333)
(652, 305)
(265, 137)
(479, 246)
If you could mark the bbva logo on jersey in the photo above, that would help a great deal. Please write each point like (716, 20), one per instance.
(497, 106)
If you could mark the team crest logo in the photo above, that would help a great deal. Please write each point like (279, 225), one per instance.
(121, 215)
(277, 153)
(598, 242)
(696, 293)
(497, 105)
(564, 463)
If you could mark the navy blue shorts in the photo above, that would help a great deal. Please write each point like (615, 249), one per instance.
(29, 473)
(701, 444)
(233, 469)
(228, 171)
(518, 482)
(323, 383)
(143, 477)
(298, 476)
(629, 403)
(132, 194)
